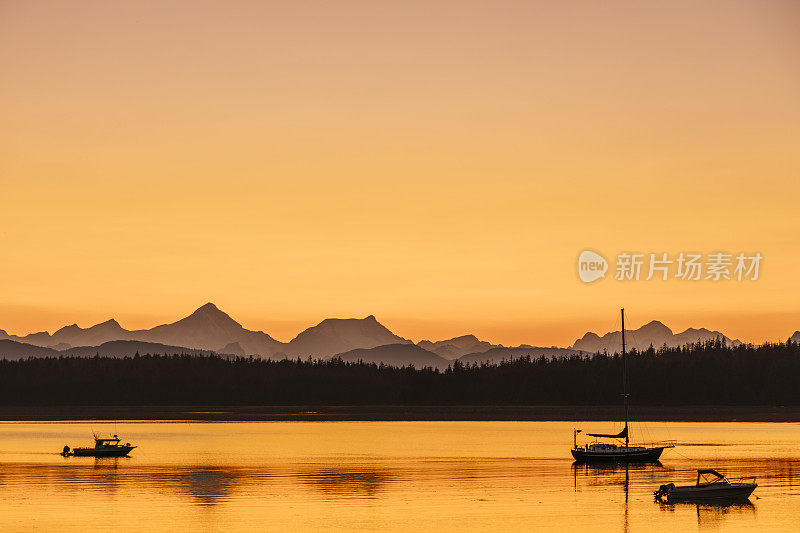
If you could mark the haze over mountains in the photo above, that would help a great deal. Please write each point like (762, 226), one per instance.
(210, 330)
(457, 346)
(207, 328)
(19, 350)
(653, 334)
(337, 335)
(397, 355)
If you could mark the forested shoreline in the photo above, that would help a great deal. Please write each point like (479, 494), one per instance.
(701, 374)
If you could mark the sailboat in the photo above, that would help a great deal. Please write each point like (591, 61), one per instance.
(620, 453)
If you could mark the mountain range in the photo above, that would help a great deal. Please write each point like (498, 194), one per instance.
(457, 346)
(19, 350)
(207, 328)
(210, 330)
(653, 334)
(337, 335)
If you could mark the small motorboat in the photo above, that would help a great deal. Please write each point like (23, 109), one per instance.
(710, 486)
(103, 447)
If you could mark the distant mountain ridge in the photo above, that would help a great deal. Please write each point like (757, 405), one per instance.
(13, 350)
(207, 328)
(396, 355)
(653, 333)
(210, 330)
(498, 354)
(73, 335)
(458, 346)
(338, 335)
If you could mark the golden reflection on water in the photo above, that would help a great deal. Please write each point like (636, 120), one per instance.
(347, 482)
(711, 515)
(383, 475)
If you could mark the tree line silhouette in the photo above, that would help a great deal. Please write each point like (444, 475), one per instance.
(701, 374)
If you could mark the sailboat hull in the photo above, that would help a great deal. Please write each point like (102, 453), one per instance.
(620, 455)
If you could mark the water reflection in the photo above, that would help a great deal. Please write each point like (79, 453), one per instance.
(206, 485)
(347, 482)
(609, 474)
(97, 474)
(619, 474)
(617, 467)
(383, 476)
(712, 515)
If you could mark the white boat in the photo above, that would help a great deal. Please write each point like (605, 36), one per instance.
(711, 485)
(103, 447)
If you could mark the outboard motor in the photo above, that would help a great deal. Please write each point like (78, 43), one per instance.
(65, 451)
(663, 491)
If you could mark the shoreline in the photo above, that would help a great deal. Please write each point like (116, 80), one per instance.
(540, 413)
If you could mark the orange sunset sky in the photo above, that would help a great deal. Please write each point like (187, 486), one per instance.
(437, 164)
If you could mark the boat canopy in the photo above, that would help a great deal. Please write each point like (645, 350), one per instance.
(621, 435)
(716, 477)
(98, 439)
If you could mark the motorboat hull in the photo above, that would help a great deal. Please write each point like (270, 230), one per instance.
(647, 455)
(120, 451)
(723, 492)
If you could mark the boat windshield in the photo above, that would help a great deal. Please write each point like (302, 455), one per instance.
(100, 441)
(709, 476)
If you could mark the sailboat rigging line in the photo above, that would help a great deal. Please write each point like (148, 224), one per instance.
(683, 456)
(642, 426)
(613, 325)
(624, 378)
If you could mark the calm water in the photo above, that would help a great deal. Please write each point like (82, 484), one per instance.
(383, 475)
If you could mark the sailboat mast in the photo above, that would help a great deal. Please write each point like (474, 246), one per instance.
(624, 377)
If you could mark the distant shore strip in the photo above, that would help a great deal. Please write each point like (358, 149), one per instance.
(312, 413)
